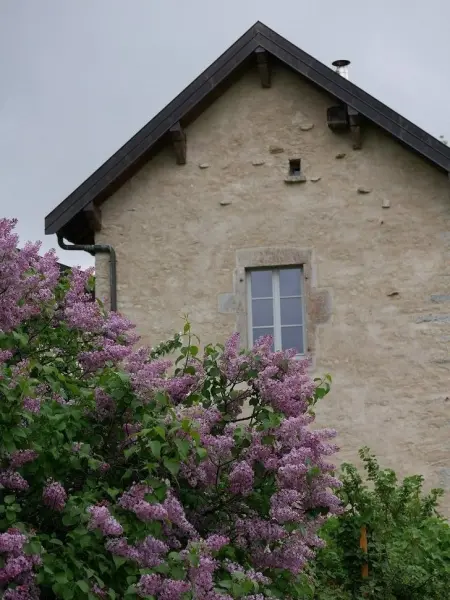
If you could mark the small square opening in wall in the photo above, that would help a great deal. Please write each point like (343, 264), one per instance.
(295, 167)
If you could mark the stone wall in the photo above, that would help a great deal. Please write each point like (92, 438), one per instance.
(379, 291)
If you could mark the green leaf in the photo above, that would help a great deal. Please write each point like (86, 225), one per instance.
(113, 492)
(160, 431)
(161, 399)
(183, 447)
(33, 547)
(186, 425)
(61, 577)
(83, 585)
(131, 591)
(268, 440)
(20, 337)
(119, 561)
(155, 447)
(130, 451)
(9, 499)
(124, 377)
(201, 453)
(69, 520)
(56, 542)
(172, 465)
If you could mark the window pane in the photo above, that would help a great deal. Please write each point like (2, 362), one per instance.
(292, 337)
(261, 284)
(291, 311)
(290, 282)
(262, 313)
(257, 333)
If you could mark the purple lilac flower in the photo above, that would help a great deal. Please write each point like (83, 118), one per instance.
(176, 514)
(15, 566)
(121, 547)
(98, 591)
(27, 278)
(12, 480)
(202, 578)
(5, 355)
(12, 542)
(54, 496)
(104, 405)
(101, 518)
(33, 405)
(251, 574)
(150, 552)
(22, 592)
(215, 542)
(149, 585)
(172, 589)
(21, 457)
(241, 479)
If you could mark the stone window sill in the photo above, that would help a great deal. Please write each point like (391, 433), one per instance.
(295, 179)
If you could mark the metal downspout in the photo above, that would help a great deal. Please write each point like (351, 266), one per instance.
(99, 249)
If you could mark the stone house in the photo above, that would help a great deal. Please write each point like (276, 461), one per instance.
(275, 196)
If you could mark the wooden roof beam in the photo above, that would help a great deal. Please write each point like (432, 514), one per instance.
(178, 138)
(354, 120)
(93, 216)
(263, 63)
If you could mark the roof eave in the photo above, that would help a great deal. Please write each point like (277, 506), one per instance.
(103, 182)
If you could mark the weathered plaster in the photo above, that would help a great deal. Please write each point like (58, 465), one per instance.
(177, 246)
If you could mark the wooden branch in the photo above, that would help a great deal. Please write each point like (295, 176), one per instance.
(363, 546)
(178, 137)
(262, 60)
(93, 216)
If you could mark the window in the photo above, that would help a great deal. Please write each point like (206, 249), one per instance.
(294, 167)
(276, 307)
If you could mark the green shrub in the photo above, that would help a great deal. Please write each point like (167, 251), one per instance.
(408, 542)
(124, 475)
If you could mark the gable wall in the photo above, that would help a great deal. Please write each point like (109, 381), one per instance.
(177, 251)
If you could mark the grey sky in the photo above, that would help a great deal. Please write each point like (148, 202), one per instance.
(80, 77)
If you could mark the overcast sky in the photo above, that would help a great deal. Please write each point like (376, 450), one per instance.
(79, 77)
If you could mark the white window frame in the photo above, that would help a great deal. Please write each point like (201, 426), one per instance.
(276, 306)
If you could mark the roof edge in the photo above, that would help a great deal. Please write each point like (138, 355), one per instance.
(118, 167)
(52, 220)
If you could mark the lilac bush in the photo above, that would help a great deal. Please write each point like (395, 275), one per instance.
(125, 474)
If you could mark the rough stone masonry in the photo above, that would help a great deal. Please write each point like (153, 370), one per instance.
(373, 227)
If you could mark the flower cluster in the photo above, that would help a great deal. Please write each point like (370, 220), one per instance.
(12, 480)
(102, 519)
(54, 496)
(24, 275)
(164, 589)
(150, 376)
(18, 567)
(22, 457)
